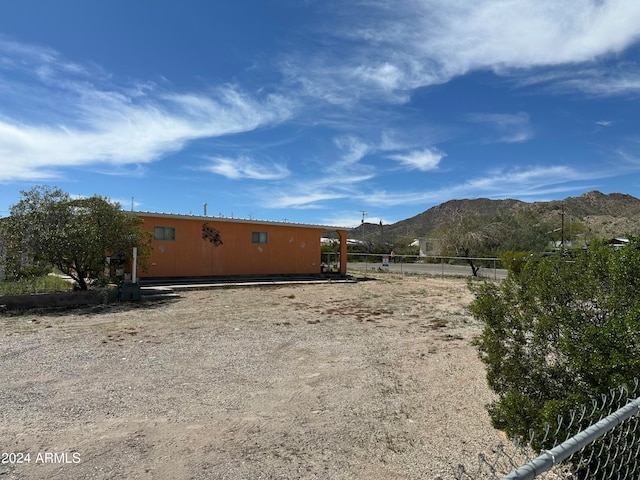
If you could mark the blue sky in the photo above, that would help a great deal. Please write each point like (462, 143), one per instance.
(314, 111)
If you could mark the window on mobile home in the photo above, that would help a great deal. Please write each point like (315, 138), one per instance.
(164, 233)
(260, 237)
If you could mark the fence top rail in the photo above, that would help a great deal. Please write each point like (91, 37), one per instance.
(423, 256)
(567, 448)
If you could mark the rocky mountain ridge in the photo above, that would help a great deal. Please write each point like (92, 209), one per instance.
(603, 215)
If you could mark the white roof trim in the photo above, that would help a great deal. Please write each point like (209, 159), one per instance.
(235, 220)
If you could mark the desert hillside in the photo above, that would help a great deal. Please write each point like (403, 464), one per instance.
(604, 215)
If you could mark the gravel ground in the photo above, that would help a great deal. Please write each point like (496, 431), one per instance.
(372, 380)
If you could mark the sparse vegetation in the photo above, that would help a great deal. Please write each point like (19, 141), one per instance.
(41, 284)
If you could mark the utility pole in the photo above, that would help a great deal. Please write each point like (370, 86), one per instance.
(364, 214)
(204, 205)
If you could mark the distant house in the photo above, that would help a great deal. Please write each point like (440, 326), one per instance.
(422, 244)
(202, 246)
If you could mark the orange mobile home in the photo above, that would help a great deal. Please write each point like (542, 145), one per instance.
(201, 246)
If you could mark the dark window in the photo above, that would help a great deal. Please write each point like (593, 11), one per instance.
(260, 237)
(164, 233)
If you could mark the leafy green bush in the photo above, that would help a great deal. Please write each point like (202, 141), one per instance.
(50, 228)
(558, 332)
(515, 261)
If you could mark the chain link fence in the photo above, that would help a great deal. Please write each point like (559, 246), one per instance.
(596, 441)
(600, 440)
(488, 267)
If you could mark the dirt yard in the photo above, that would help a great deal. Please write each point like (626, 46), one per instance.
(372, 380)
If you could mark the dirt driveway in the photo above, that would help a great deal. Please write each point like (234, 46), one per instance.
(372, 380)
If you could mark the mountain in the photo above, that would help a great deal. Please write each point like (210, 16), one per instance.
(610, 215)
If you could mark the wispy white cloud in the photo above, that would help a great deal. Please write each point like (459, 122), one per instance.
(334, 183)
(516, 182)
(383, 77)
(394, 48)
(348, 177)
(530, 182)
(64, 114)
(110, 124)
(424, 160)
(629, 156)
(534, 182)
(337, 179)
(597, 84)
(353, 149)
(384, 198)
(301, 198)
(244, 167)
(506, 128)
(593, 80)
(503, 34)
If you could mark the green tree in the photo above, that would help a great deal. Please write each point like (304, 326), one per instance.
(49, 227)
(403, 245)
(524, 231)
(558, 332)
(469, 235)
